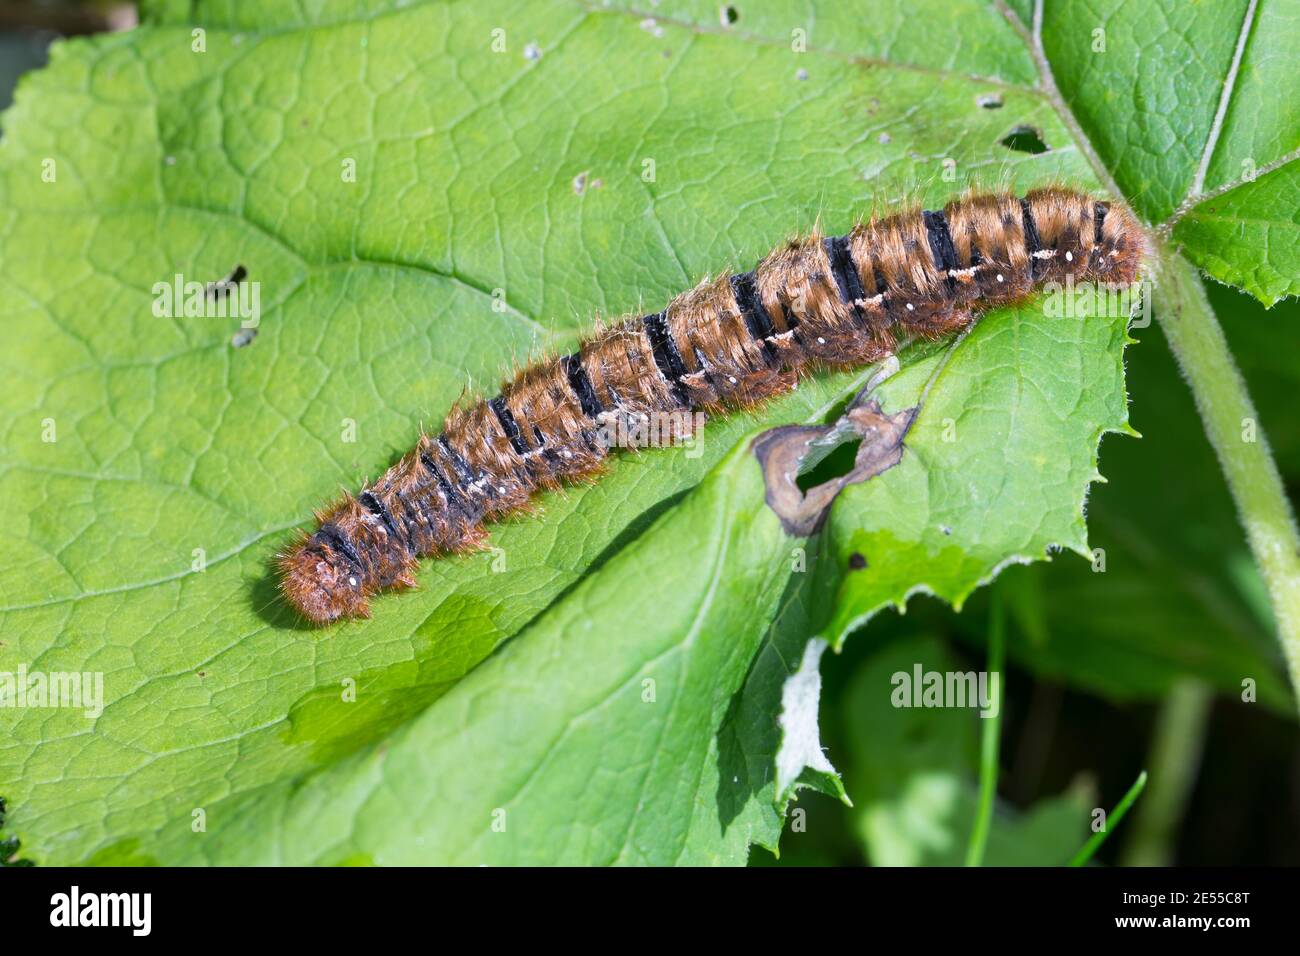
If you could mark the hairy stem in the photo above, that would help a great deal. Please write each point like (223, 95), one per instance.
(1232, 425)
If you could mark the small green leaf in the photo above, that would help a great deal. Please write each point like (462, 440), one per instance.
(1250, 235)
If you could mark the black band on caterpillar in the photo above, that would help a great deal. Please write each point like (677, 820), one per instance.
(942, 249)
(667, 358)
(732, 342)
(1033, 242)
(406, 509)
(451, 495)
(845, 271)
(581, 386)
(882, 290)
(458, 463)
(744, 287)
(509, 425)
(332, 536)
(377, 507)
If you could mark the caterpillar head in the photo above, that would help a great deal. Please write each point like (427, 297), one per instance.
(320, 583)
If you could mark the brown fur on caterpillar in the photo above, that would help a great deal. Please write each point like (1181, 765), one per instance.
(730, 342)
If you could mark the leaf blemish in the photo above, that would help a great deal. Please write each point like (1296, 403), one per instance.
(582, 182)
(781, 451)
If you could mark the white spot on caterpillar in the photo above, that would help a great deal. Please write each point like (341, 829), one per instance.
(731, 379)
(352, 581)
(820, 340)
(910, 307)
(1000, 277)
(1069, 257)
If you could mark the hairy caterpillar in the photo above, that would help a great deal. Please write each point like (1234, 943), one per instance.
(730, 342)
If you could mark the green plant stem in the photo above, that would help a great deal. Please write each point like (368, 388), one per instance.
(990, 735)
(1232, 425)
(1175, 758)
(1094, 843)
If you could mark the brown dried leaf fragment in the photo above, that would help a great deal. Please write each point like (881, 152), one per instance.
(781, 451)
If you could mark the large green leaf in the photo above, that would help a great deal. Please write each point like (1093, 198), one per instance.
(377, 308)
(596, 161)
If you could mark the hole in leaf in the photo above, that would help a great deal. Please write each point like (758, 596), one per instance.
(990, 101)
(1025, 139)
(728, 15)
(837, 464)
(223, 287)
